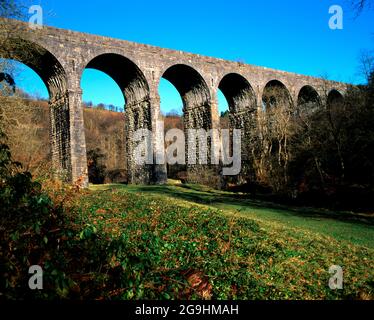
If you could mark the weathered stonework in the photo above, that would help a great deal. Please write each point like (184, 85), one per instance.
(60, 136)
(60, 57)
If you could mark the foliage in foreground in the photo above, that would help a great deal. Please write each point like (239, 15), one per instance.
(117, 245)
(28, 224)
(120, 245)
(153, 249)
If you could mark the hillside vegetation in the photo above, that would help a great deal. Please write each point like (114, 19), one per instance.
(104, 133)
(154, 248)
(120, 242)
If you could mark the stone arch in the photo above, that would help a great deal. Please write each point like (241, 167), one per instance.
(276, 94)
(40, 60)
(195, 95)
(197, 112)
(135, 89)
(308, 99)
(335, 99)
(238, 92)
(52, 73)
(242, 102)
(190, 85)
(125, 73)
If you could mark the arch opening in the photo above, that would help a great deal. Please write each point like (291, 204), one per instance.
(24, 112)
(276, 95)
(51, 72)
(115, 146)
(39, 60)
(242, 107)
(171, 105)
(100, 91)
(223, 109)
(238, 92)
(308, 100)
(125, 73)
(191, 87)
(335, 100)
(196, 111)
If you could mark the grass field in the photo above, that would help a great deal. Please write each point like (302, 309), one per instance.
(191, 242)
(343, 226)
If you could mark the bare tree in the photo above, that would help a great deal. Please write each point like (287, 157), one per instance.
(366, 64)
(19, 117)
(271, 149)
(9, 9)
(360, 5)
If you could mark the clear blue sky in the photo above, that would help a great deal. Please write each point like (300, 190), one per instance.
(288, 35)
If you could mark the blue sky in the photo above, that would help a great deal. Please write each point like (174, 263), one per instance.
(288, 35)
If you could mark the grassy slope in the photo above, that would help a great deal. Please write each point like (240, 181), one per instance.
(341, 226)
(258, 252)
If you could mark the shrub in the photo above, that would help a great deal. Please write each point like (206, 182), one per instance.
(96, 170)
(28, 225)
(116, 176)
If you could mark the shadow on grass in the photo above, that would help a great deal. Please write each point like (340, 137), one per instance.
(206, 196)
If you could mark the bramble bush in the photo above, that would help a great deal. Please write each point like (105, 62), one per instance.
(29, 222)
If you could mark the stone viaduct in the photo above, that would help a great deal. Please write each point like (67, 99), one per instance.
(60, 56)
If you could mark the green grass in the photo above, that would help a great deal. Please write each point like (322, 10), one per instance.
(343, 226)
(170, 242)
